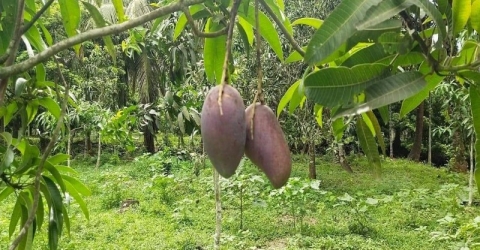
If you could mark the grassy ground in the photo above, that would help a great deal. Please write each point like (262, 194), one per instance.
(411, 206)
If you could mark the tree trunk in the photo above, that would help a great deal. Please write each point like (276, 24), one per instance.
(470, 181)
(69, 145)
(430, 111)
(417, 144)
(218, 210)
(88, 143)
(459, 162)
(148, 140)
(342, 159)
(99, 152)
(312, 171)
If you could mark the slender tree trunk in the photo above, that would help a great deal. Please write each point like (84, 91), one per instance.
(88, 143)
(391, 128)
(342, 159)
(69, 145)
(312, 171)
(148, 140)
(218, 211)
(417, 144)
(430, 111)
(99, 152)
(470, 181)
(459, 162)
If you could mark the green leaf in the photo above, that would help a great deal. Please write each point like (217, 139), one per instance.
(58, 158)
(368, 145)
(277, 10)
(55, 222)
(118, 4)
(182, 20)
(56, 175)
(16, 214)
(378, 131)
(66, 169)
(297, 98)
(11, 110)
(74, 193)
(46, 34)
(287, 97)
(70, 11)
(461, 10)
(248, 29)
(20, 85)
(475, 107)
(412, 102)
(475, 16)
(40, 213)
(40, 72)
(214, 53)
(80, 187)
(313, 22)
(51, 106)
(338, 128)
(35, 38)
(267, 30)
(337, 28)
(370, 54)
(100, 22)
(294, 57)
(318, 110)
(66, 219)
(7, 159)
(31, 110)
(330, 87)
(6, 192)
(432, 11)
(388, 90)
(383, 11)
(384, 113)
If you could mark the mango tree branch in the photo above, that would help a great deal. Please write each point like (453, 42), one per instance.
(289, 37)
(195, 29)
(92, 34)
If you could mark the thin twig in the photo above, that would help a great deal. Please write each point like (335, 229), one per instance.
(37, 16)
(289, 37)
(259, 94)
(198, 33)
(225, 74)
(93, 34)
(38, 174)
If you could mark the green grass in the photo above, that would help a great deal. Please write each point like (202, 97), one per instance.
(399, 210)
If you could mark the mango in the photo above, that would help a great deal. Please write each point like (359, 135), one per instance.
(224, 134)
(268, 149)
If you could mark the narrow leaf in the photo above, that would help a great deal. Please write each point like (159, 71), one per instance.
(378, 131)
(51, 106)
(287, 97)
(74, 193)
(475, 16)
(80, 187)
(6, 192)
(383, 11)
(70, 11)
(267, 30)
(412, 102)
(337, 28)
(461, 10)
(432, 11)
(389, 90)
(313, 22)
(118, 4)
(475, 107)
(368, 145)
(330, 87)
(214, 53)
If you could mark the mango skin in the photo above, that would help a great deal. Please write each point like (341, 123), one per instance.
(269, 149)
(224, 135)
